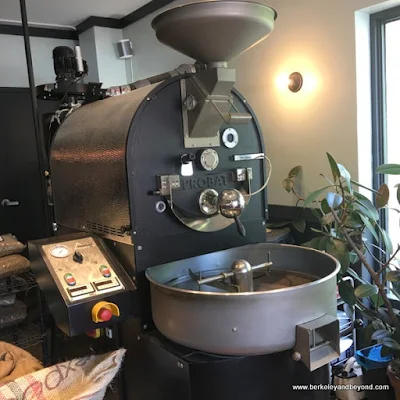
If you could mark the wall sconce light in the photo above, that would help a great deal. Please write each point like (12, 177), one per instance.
(295, 82)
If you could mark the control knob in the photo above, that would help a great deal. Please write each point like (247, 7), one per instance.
(78, 257)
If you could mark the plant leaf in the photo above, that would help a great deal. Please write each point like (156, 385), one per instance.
(278, 224)
(382, 198)
(313, 196)
(339, 250)
(327, 219)
(346, 175)
(353, 220)
(386, 240)
(316, 213)
(300, 224)
(378, 324)
(385, 351)
(365, 290)
(349, 310)
(353, 257)
(337, 246)
(364, 205)
(367, 333)
(391, 343)
(384, 316)
(393, 276)
(380, 334)
(389, 169)
(288, 184)
(368, 314)
(334, 167)
(334, 200)
(364, 187)
(377, 300)
(323, 243)
(313, 243)
(395, 289)
(295, 171)
(369, 226)
(346, 292)
(354, 275)
(324, 206)
(398, 192)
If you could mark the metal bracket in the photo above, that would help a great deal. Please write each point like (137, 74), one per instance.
(195, 142)
(166, 183)
(317, 342)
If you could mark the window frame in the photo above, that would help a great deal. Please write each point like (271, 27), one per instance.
(378, 22)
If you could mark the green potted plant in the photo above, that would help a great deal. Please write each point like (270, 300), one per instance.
(350, 231)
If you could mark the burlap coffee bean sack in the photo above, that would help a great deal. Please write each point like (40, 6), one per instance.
(12, 265)
(9, 244)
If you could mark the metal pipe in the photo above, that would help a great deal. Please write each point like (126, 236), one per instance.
(38, 136)
(181, 70)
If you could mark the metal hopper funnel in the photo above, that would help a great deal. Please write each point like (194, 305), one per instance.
(214, 31)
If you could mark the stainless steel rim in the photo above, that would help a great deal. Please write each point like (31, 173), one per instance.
(200, 3)
(171, 290)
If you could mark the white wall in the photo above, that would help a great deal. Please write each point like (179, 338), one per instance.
(13, 71)
(99, 49)
(150, 56)
(112, 70)
(318, 39)
(87, 42)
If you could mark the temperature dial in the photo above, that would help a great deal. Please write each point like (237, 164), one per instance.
(60, 251)
(209, 159)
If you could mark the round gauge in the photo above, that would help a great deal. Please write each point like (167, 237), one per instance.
(209, 159)
(59, 251)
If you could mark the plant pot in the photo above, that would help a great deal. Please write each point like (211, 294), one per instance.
(378, 376)
(394, 381)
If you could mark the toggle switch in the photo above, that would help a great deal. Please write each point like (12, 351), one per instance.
(103, 311)
(95, 334)
(69, 278)
(105, 271)
(187, 164)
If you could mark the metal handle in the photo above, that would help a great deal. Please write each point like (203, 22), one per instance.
(9, 203)
(226, 275)
(240, 227)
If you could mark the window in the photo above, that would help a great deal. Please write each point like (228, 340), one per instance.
(385, 51)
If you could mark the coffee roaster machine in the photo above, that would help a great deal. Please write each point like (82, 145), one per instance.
(160, 202)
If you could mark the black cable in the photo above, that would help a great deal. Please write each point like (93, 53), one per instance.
(51, 134)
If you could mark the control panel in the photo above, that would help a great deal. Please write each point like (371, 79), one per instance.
(80, 269)
(83, 283)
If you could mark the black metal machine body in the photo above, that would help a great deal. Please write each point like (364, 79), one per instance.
(162, 370)
(106, 171)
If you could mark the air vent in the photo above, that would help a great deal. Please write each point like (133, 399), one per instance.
(104, 229)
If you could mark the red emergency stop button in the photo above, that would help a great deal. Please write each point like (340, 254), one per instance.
(69, 278)
(104, 314)
(103, 311)
(105, 271)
